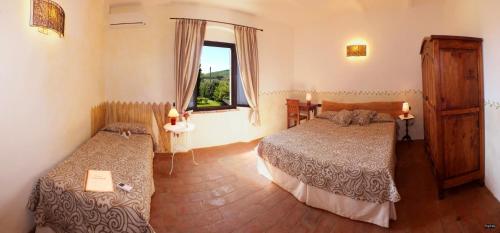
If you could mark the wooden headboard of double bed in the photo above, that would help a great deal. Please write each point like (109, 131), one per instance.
(393, 108)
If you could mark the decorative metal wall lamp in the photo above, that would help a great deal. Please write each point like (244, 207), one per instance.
(356, 50)
(47, 15)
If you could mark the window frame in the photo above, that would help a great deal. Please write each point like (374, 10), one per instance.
(234, 76)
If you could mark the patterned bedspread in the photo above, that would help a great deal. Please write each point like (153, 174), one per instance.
(354, 161)
(58, 199)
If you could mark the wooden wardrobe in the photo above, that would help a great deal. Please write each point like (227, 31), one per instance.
(452, 80)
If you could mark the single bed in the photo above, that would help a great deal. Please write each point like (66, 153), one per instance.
(348, 171)
(60, 202)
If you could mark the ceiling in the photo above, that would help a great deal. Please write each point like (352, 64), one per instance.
(290, 10)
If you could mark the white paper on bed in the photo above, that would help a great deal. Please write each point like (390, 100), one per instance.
(99, 181)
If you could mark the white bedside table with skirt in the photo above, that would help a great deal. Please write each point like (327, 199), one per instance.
(180, 139)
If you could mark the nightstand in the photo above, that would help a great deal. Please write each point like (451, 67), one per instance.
(181, 139)
(406, 120)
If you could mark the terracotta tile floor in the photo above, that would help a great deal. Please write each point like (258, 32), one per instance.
(225, 194)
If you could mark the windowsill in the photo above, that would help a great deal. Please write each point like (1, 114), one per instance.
(219, 110)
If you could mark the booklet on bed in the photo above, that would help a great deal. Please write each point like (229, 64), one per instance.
(98, 181)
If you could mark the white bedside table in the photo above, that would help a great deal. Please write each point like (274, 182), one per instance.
(406, 120)
(180, 140)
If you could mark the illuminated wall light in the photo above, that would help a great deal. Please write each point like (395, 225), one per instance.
(47, 15)
(356, 50)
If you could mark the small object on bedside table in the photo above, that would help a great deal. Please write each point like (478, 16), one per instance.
(406, 109)
(308, 98)
(406, 118)
(186, 116)
(173, 114)
(178, 143)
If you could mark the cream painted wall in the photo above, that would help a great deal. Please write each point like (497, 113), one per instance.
(492, 148)
(47, 87)
(393, 35)
(491, 53)
(139, 67)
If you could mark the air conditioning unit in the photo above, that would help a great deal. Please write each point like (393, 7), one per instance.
(130, 14)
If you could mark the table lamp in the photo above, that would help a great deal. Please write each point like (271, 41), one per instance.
(173, 114)
(308, 98)
(406, 109)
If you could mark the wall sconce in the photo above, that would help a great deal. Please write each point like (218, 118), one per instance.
(356, 50)
(47, 15)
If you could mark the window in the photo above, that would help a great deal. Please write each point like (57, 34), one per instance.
(219, 84)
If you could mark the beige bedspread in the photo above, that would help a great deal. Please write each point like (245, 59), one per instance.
(58, 199)
(354, 161)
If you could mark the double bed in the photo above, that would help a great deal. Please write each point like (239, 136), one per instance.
(348, 171)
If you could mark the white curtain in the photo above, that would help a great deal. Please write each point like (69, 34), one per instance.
(248, 62)
(189, 38)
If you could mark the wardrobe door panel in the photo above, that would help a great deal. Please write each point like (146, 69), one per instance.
(459, 79)
(461, 144)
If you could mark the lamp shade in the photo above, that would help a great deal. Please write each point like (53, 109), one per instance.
(173, 113)
(47, 15)
(356, 50)
(308, 97)
(406, 107)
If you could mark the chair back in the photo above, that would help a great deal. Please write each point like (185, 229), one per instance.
(293, 108)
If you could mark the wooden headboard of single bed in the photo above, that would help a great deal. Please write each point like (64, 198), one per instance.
(109, 112)
(394, 108)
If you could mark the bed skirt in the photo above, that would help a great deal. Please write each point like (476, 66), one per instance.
(375, 213)
(46, 229)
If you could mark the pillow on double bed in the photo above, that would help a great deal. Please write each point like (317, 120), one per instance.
(343, 117)
(383, 117)
(118, 127)
(363, 117)
(329, 115)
